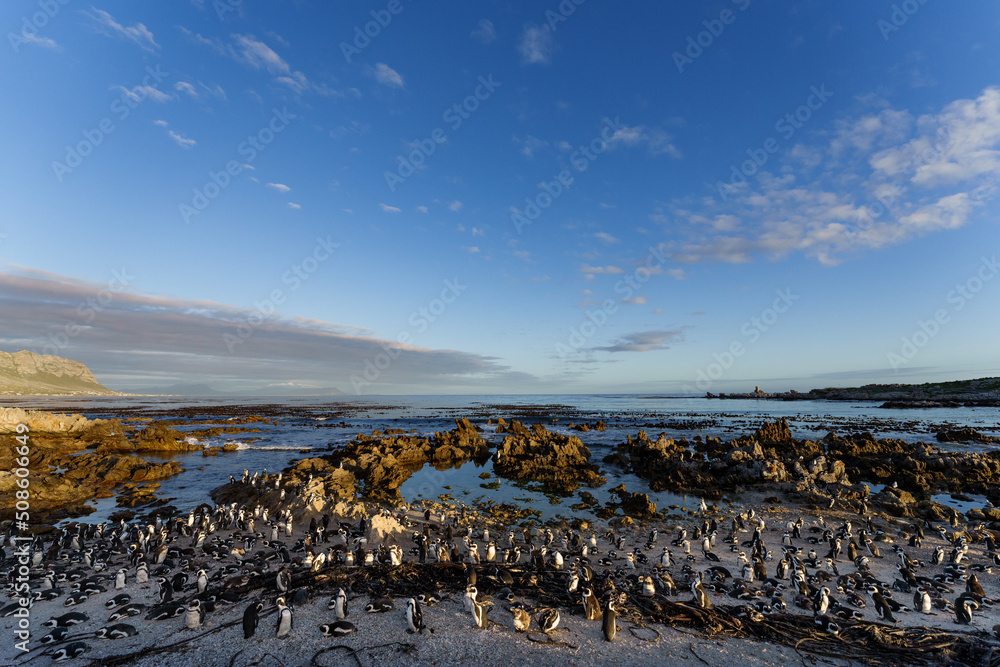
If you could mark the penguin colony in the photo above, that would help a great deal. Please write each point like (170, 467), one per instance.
(202, 563)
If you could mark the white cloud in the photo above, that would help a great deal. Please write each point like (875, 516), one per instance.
(471, 249)
(422, 209)
(656, 141)
(530, 145)
(536, 45)
(38, 40)
(294, 205)
(644, 341)
(635, 300)
(589, 271)
(161, 123)
(185, 87)
(485, 33)
(181, 140)
(882, 179)
(388, 76)
(259, 55)
(137, 33)
(140, 93)
(455, 205)
(389, 209)
(280, 187)
(607, 238)
(476, 231)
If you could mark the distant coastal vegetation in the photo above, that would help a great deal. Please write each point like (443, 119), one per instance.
(978, 392)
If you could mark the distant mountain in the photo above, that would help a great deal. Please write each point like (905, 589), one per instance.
(205, 390)
(25, 373)
(190, 389)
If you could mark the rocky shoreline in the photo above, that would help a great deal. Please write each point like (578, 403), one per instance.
(337, 520)
(982, 392)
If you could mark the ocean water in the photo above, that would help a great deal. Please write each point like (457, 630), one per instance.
(308, 425)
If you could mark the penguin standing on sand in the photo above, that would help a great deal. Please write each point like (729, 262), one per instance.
(700, 594)
(963, 610)
(195, 615)
(608, 623)
(882, 607)
(414, 617)
(339, 605)
(285, 623)
(251, 617)
(591, 606)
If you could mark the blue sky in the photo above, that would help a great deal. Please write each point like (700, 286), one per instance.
(502, 197)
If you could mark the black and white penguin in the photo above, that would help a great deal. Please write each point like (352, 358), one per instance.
(827, 624)
(963, 610)
(701, 598)
(337, 629)
(195, 615)
(379, 605)
(118, 601)
(339, 605)
(116, 631)
(70, 651)
(414, 617)
(548, 619)
(126, 611)
(57, 635)
(608, 623)
(285, 623)
(66, 620)
(251, 617)
(592, 608)
(283, 580)
(882, 607)
(479, 611)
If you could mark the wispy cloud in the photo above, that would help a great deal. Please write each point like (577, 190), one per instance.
(140, 93)
(294, 205)
(181, 140)
(455, 206)
(389, 209)
(644, 341)
(280, 187)
(485, 32)
(607, 238)
(536, 45)
(138, 33)
(387, 76)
